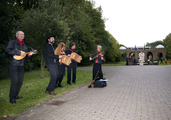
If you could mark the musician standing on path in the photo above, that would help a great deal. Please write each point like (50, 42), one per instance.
(51, 62)
(15, 47)
(60, 50)
(72, 66)
(98, 61)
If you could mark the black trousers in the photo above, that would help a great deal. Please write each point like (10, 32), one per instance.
(60, 78)
(16, 75)
(69, 74)
(53, 69)
(97, 67)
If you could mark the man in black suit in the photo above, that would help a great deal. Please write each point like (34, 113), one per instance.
(72, 66)
(51, 63)
(13, 48)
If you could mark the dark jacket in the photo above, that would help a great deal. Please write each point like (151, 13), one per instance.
(97, 58)
(50, 57)
(14, 48)
(73, 63)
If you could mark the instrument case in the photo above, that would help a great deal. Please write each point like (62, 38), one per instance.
(100, 83)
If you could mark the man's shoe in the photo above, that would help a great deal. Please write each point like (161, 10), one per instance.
(52, 93)
(60, 85)
(12, 101)
(18, 97)
(47, 91)
(74, 82)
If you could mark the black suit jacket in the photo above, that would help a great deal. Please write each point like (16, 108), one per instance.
(14, 48)
(50, 57)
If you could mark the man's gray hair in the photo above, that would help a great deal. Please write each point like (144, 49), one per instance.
(17, 32)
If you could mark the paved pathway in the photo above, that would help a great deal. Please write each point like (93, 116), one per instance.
(133, 93)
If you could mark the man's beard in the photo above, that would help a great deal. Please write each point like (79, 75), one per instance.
(52, 42)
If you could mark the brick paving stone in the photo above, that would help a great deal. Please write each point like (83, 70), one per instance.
(132, 93)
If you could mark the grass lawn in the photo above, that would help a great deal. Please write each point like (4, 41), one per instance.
(168, 62)
(33, 91)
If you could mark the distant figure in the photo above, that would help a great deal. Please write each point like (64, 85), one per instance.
(134, 61)
(161, 61)
(165, 61)
(130, 60)
(158, 60)
(127, 58)
(149, 61)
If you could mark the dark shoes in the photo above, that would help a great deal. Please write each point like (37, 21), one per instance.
(60, 85)
(50, 92)
(12, 101)
(47, 91)
(74, 82)
(18, 97)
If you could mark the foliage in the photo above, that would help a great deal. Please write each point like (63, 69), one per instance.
(113, 54)
(135, 48)
(40, 23)
(158, 55)
(33, 91)
(122, 45)
(153, 44)
(40, 18)
(167, 44)
(9, 14)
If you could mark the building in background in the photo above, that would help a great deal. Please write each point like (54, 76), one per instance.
(152, 53)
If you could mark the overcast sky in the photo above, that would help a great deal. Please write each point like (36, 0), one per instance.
(136, 22)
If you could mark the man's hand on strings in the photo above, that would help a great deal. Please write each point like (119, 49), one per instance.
(22, 54)
(30, 53)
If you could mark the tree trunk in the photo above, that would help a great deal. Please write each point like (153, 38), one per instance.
(42, 66)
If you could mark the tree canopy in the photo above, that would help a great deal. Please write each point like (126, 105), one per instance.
(167, 44)
(40, 18)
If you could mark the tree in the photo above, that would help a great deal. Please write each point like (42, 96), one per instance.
(153, 44)
(39, 23)
(167, 44)
(135, 48)
(9, 14)
(113, 54)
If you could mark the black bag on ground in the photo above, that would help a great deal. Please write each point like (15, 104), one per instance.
(100, 83)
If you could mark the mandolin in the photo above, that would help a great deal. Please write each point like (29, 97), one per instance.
(18, 57)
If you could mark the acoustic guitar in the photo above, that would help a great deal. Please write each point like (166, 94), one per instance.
(18, 57)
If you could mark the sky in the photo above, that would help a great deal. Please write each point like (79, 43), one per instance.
(136, 22)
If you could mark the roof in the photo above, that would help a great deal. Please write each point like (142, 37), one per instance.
(159, 46)
(122, 48)
(140, 47)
